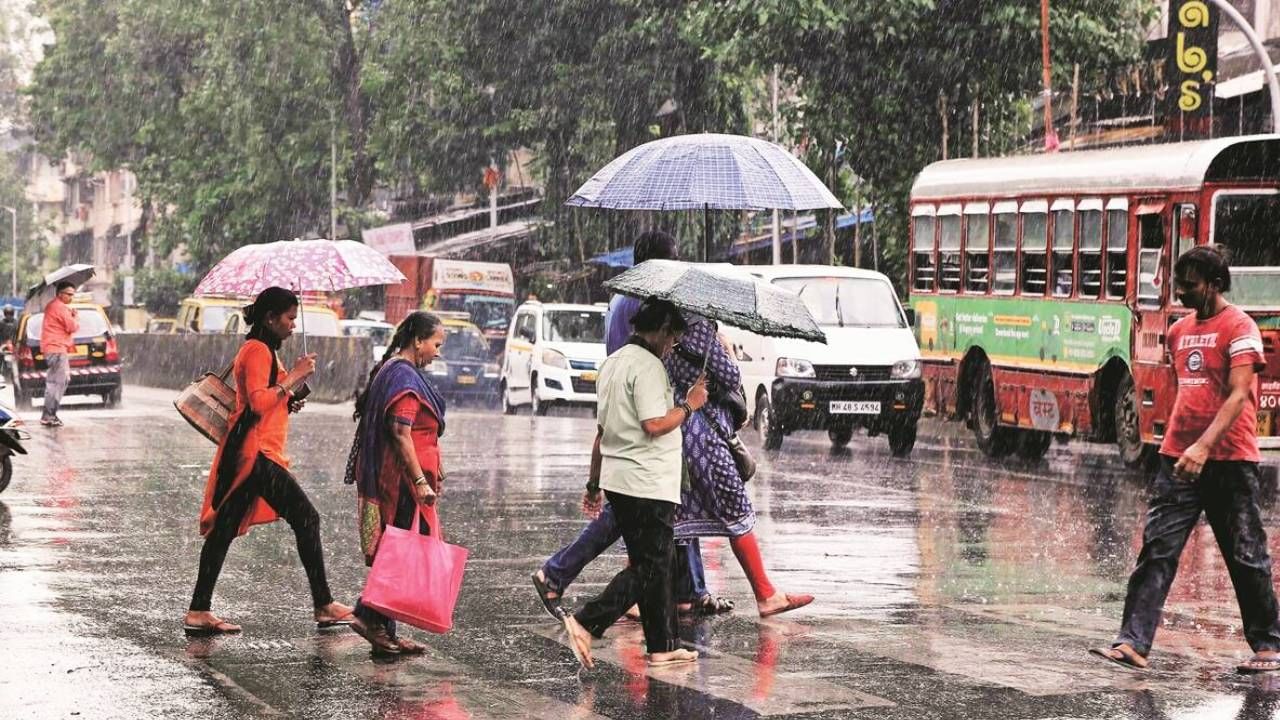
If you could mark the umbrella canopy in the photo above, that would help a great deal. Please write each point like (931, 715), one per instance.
(44, 291)
(720, 293)
(299, 265)
(705, 172)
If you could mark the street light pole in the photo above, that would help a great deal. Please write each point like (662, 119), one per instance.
(13, 212)
(1268, 70)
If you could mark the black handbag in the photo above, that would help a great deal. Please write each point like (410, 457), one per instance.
(742, 459)
(733, 400)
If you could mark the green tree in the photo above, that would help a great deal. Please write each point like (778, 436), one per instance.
(868, 75)
(224, 111)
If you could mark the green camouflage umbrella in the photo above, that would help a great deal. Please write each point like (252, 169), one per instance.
(722, 293)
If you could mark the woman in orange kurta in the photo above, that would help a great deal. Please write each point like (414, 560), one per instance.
(397, 464)
(250, 481)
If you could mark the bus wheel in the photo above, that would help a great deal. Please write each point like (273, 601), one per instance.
(1033, 444)
(994, 441)
(1133, 452)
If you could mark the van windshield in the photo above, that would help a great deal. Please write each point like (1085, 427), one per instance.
(579, 326)
(845, 301)
(213, 318)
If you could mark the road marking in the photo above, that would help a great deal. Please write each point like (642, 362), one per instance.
(997, 658)
(224, 682)
(431, 685)
(758, 686)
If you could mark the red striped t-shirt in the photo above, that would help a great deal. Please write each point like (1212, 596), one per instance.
(1203, 353)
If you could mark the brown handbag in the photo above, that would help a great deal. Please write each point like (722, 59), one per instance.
(207, 404)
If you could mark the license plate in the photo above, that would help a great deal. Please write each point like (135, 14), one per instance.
(589, 376)
(466, 379)
(855, 407)
(1264, 424)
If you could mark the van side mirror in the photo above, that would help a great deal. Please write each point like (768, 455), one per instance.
(526, 334)
(911, 316)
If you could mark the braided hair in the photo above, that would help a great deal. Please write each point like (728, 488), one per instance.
(417, 325)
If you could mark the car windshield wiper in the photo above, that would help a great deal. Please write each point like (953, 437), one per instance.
(839, 314)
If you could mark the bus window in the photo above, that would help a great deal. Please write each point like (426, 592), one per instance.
(1005, 255)
(1184, 228)
(1117, 257)
(1248, 225)
(949, 250)
(1150, 253)
(922, 254)
(1090, 249)
(1035, 238)
(1063, 263)
(977, 246)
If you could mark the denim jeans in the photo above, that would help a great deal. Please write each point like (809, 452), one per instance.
(1227, 493)
(55, 383)
(564, 567)
(648, 528)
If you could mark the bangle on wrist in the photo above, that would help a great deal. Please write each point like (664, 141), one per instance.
(687, 408)
(420, 480)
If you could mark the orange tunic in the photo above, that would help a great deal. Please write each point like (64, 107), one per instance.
(252, 372)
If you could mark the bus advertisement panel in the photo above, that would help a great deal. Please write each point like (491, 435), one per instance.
(1041, 285)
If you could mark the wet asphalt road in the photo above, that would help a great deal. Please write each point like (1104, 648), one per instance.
(947, 586)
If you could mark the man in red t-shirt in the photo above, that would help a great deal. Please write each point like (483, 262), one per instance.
(1208, 463)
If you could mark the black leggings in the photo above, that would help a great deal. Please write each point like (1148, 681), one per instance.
(274, 484)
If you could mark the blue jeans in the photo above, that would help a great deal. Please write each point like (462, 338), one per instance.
(1227, 493)
(563, 568)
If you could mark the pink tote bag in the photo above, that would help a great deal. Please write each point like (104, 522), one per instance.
(415, 578)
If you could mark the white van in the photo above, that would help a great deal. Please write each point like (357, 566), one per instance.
(867, 375)
(552, 356)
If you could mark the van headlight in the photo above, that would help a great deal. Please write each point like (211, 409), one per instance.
(792, 368)
(492, 370)
(438, 367)
(905, 370)
(551, 358)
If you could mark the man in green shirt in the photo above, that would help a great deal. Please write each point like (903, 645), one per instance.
(636, 461)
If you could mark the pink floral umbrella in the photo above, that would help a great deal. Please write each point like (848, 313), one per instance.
(299, 265)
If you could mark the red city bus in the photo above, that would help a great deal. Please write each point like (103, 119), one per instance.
(1042, 291)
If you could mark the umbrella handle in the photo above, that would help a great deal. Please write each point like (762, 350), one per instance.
(302, 313)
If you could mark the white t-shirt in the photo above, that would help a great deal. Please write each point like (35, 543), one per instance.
(633, 387)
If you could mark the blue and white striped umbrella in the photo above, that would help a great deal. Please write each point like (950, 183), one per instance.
(705, 172)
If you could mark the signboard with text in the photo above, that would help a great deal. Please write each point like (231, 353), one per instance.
(390, 239)
(1193, 64)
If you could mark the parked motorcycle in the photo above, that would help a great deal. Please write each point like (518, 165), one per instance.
(11, 437)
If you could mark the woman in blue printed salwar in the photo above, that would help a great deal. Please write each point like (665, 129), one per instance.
(715, 502)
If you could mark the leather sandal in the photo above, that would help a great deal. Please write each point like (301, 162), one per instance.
(382, 642)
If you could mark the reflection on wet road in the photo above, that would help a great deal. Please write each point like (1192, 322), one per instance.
(947, 586)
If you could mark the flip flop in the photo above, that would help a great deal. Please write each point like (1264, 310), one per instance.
(583, 656)
(689, 657)
(794, 602)
(343, 621)
(222, 627)
(1256, 665)
(711, 605)
(1123, 661)
(551, 605)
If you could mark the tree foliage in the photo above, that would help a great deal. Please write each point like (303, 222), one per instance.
(226, 110)
(868, 75)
